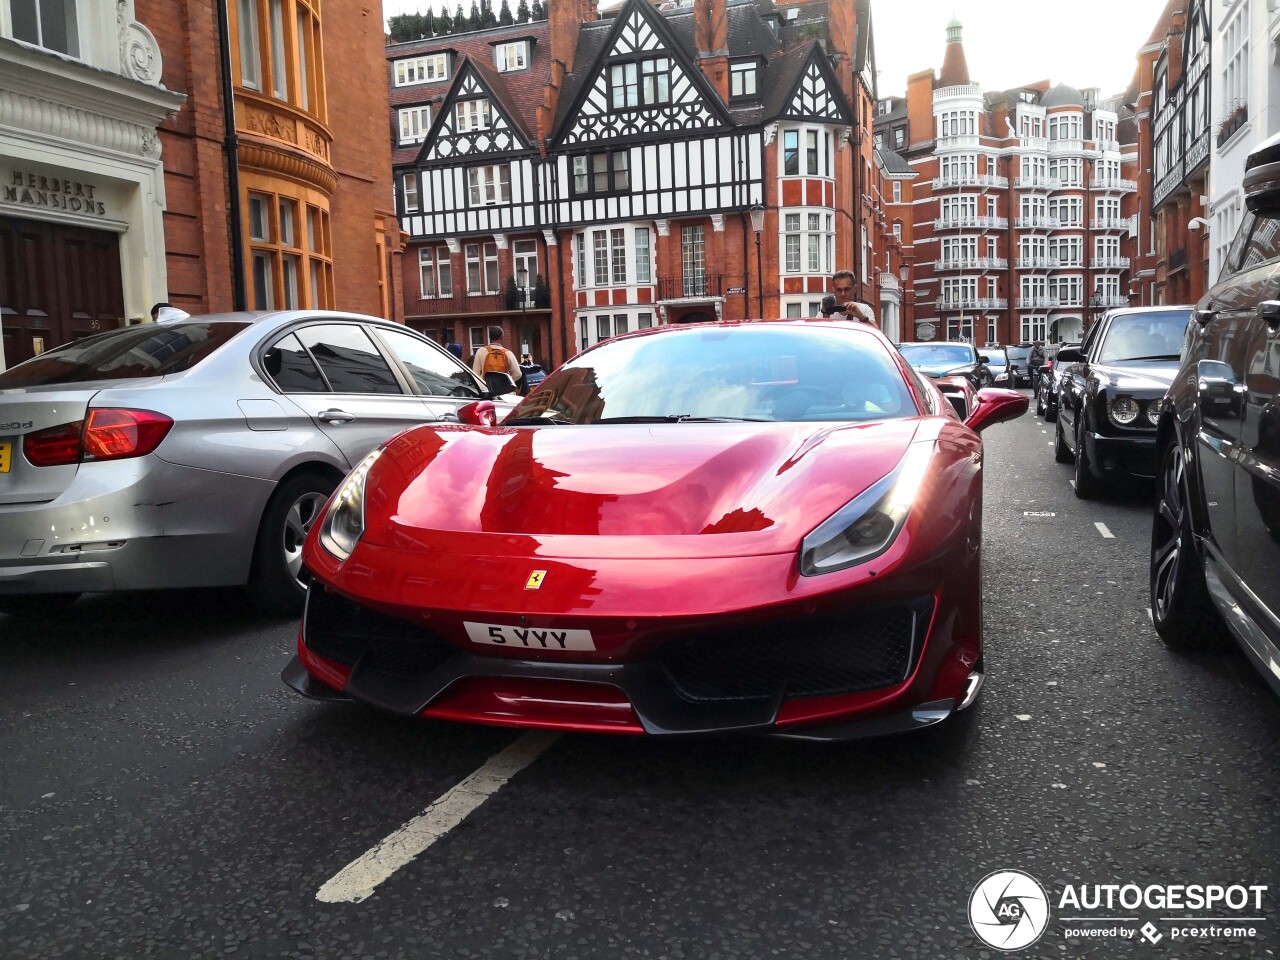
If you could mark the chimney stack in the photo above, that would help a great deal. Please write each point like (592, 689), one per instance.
(711, 36)
(564, 21)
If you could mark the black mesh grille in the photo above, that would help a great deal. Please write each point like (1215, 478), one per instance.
(857, 652)
(342, 631)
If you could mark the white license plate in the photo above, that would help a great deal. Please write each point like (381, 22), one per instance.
(534, 638)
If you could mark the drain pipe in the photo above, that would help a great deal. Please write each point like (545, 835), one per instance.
(231, 147)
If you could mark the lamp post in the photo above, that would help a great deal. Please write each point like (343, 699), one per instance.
(522, 282)
(757, 224)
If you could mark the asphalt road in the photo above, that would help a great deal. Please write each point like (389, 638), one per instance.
(164, 795)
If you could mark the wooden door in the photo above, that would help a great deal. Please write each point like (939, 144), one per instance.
(57, 283)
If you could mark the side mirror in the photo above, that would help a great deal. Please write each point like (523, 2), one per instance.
(1070, 355)
(993, 406)
(1217, 389)
(982, 359)
(479, 413)
(499, 385)
(959, 393)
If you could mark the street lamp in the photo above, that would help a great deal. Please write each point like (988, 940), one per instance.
(757, 224)
(522, 281)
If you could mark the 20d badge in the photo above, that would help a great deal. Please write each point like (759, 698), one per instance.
(1009, 910)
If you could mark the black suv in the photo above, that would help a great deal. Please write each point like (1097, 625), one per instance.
(1109, 394)
(1215, 538)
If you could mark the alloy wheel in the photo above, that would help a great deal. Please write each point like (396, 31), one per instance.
(298, 521)
(1168, 553)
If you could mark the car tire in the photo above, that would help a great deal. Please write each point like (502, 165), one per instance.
(1181, 609)
(1088, 487)
(1050, 413)
(1061, 452)
(36, 606)
(277, 580)
(1039, 403)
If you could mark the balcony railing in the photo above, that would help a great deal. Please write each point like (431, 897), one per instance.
(1038, 222)
(462, 302)
(972, 263)
(1037, 303)
(1070, 302)
(1034, 143)
(1108, 300)
(1039, 183)
(957, 90)
(1066, 146)
(1114, 183)
(1038, 263)
(1110, 223)
(968, 141)
(975, 222)
(695, 287)
(970, 180)
(971, 303)
(1109, 263)
(1108, 146)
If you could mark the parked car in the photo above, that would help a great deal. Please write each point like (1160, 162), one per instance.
(1215, 538)
(1110, 391)
(198, 453)
(1019, 360)
(1046, 391)
(768, 527)
(949, 359)
(998, 364)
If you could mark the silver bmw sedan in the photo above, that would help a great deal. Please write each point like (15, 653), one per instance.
(198, 453)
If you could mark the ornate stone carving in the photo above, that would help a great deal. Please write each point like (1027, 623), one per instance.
(770, 132)
(717, 223)
(150, 144)
(315, 143)
(85, 127)
(270, 125)
(140, 57)
(295, 165)
(550, 237)
(664, 227)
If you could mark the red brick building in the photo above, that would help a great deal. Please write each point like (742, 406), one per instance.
(652, 167)
(1022, 219)
(286, 202)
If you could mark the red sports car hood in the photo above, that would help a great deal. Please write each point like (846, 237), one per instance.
(726, 489)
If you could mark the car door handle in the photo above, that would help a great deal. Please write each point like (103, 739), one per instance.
(336, 416)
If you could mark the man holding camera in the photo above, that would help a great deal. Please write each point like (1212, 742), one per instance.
(844, 304)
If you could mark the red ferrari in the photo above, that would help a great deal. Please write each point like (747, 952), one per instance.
(769, 527)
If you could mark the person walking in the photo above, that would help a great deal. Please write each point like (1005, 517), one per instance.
(494, 358)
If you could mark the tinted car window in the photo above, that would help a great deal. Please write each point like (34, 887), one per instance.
(1144, 336)
(1018, 353)
(436, 373)
(349, 359)
(291, 367)
(146, 350)
(752, 373)
(1263, 244)
(918, 354)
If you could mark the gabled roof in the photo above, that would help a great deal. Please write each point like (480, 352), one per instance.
(802, 85)
(894, 165)
(509, 132)
(523, 89)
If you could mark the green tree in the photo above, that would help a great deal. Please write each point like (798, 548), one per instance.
(475, 19)
(539, 10)
(444, 23)
(460, 21)
(487, 17)
(522, 12)
(504, 15)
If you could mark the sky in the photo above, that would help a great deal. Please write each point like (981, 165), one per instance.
(1086, 43)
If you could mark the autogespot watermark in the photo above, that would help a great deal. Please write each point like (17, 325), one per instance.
(1011, 910)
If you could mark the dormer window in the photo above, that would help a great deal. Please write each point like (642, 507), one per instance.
(743, 78)
(511, 56)
(472, 115)
(415, 122)
(428, 69)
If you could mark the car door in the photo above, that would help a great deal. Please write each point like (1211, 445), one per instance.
(441, 379)
(1074, 380)
(342, 380)
(1257, 476)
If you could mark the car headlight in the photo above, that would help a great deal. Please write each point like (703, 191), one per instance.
(1124, 410)
(344, 523)
(866, 526)
(1153, 412)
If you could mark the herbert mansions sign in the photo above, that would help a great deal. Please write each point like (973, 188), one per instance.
(53, 193)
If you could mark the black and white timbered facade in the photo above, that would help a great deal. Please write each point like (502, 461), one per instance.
(636, 180)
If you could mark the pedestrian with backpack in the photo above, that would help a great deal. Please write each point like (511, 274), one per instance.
(492, 361)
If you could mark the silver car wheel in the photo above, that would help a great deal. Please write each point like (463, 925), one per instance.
(298, 521)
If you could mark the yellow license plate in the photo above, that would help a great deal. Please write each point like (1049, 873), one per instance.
(5, 453)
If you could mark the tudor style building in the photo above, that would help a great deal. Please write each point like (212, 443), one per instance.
(1022, 216)
(583, 177)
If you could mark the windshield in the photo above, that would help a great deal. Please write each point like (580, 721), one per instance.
(1018, 353)
(930, 354)
(146, 350)
(995, 358)
(1144, 336)
(748, 372)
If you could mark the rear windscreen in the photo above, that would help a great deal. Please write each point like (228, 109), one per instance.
(146, 350)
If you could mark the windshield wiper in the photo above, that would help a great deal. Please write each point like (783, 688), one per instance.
(1159, 356)
(536, 422)
(681, 418)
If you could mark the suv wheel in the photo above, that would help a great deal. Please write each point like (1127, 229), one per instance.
(1088, 487)
(277, 580)
(1181, 610)
(1061, 452)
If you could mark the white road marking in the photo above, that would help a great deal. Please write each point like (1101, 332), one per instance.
(1073, 484)
(1102, 529)
(357, 880)
(1149, 616)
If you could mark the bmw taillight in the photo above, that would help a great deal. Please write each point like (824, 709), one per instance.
(108, 433)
